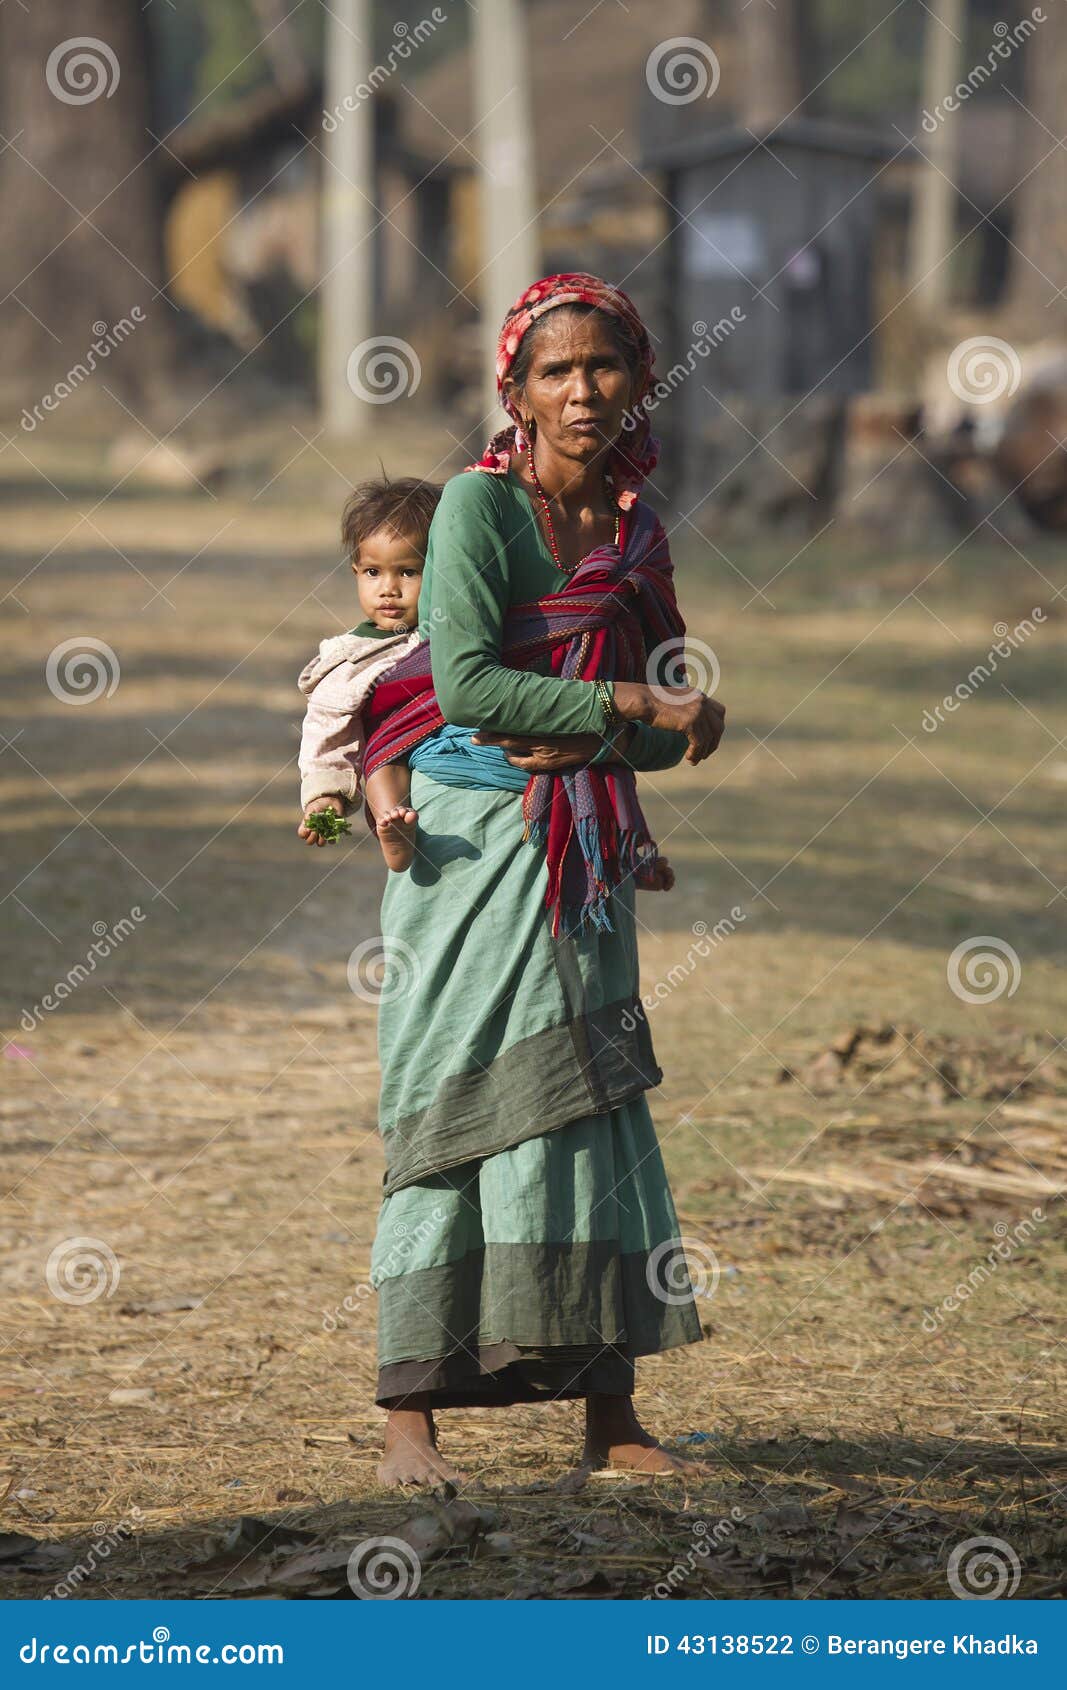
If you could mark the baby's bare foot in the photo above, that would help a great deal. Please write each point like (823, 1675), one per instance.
(396, 834)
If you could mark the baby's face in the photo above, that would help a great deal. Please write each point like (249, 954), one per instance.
(388, 575)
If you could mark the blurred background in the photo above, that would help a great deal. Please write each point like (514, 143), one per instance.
(317, 209)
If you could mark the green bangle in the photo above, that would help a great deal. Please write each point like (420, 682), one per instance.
(607, 704)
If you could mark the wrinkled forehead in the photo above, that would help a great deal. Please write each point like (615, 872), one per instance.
(570, 332)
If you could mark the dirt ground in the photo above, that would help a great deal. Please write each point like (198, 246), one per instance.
(849, 1138)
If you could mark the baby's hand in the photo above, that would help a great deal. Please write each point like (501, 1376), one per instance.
(308, 834)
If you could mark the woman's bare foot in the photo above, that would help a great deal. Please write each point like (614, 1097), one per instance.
(411, 1455)
(658, 878)
(395, 828)
(614, 1437)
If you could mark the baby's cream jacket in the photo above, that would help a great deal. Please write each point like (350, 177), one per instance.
(337, 684)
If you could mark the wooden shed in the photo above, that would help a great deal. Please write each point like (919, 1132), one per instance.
(769, 260)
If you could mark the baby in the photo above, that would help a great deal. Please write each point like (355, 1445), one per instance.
(384, 528)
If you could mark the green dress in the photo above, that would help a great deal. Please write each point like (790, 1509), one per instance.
(527, 1244)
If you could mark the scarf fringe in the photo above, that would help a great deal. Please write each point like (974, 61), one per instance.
(635, 854)
(584, 918)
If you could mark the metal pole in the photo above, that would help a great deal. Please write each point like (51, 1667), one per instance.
(510, 248)
(346, 291)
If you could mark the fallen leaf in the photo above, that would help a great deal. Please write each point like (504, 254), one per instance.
(15, 1546)
(162, 1305)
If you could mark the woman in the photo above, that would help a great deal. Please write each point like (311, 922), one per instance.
(527, 1231)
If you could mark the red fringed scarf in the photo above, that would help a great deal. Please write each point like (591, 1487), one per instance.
(610, 617)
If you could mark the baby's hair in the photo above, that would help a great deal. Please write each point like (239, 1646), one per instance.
(405, 505)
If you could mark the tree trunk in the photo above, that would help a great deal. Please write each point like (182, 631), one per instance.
(1040, 205)
(79, 199)
(773, 61)
(933, 216)
(510, 256)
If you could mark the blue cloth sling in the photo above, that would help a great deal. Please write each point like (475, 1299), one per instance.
(447, 755)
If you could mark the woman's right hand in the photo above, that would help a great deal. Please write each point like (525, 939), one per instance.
(700, 718)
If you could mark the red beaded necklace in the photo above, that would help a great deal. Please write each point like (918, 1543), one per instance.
(552, 545)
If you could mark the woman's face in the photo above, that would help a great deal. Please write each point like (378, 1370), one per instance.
(578, 385)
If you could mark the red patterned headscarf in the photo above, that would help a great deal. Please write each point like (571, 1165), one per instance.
(634, 455)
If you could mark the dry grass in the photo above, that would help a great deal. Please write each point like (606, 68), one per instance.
(205, 1103)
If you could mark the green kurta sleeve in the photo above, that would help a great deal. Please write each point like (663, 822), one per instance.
(471, 578)
(656, 748)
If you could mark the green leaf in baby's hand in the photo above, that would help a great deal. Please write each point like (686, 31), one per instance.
(327, 824)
